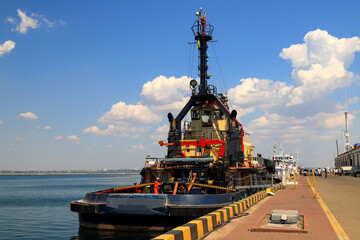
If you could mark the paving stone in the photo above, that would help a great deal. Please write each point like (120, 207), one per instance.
(300, 199)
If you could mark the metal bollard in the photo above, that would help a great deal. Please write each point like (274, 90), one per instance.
(294, 179)
(315, 194)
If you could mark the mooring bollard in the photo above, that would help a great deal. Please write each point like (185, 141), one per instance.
(315, 194)
(294, 179)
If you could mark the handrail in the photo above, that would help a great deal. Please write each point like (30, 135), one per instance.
(212, 186)
(126, 187)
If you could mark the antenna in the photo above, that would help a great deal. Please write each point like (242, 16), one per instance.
(274, 148)
(297, 157)
(347, 144)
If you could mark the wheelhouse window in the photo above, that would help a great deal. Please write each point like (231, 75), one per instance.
(195, 115)
(218, 115)
(206, 118)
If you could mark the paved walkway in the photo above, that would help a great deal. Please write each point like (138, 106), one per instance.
(300, 199)
(342, 194)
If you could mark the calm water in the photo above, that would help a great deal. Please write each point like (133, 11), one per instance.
(38, 207)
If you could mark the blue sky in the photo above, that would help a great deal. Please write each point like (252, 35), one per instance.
(88, 84)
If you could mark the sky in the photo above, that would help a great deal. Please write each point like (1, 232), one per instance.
(87, 85)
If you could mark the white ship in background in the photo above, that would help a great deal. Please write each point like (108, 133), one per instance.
(285, 164)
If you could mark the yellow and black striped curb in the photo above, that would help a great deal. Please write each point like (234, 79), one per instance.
(197, 228)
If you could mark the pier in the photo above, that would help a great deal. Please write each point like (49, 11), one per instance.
(341, 195)
(333, 213)
(302, 199)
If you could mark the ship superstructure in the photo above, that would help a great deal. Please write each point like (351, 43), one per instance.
(285, 164)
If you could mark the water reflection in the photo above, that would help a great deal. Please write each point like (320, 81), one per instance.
(93, 234)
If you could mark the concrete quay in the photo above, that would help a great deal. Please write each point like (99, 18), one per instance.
(200, 227)
(301, 199)
(342, 194)
(333, 215)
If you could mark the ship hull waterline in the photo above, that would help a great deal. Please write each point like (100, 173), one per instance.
(147, 212)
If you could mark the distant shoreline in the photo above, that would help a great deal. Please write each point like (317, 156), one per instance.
(66, 173)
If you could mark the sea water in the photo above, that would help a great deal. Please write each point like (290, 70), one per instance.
(38, 206)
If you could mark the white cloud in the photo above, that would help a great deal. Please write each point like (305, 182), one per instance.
(159, 95)
(320, 64)
(274, 126)
(73, 139)
(160, 133)
(354, 100)
(6, 47)
(114, 130)
(95, 130)
(259, 92)
(242, 111)
(11, 20)
(339, 106)
(137, 135)
(58, 137)
(123, 135)
(28, 115)
(110, 146)
(19, 139)
(355, 112)
(111, 130)
(136, 148)
(163, 129)
(35, 21)
(26, 23)
(47, 128)
(330, 120)
(121, 113)
(49, 23)
(165, 94)
(1, 122)
(322, 138)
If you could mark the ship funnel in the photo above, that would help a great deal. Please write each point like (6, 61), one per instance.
(233, 114)
(172, 121)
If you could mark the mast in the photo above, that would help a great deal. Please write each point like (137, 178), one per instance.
(203, 33)
(347, 144)
(274, 150)
(206, 94)
(297, 157)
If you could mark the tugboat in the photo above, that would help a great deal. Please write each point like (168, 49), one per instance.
(209, 164)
